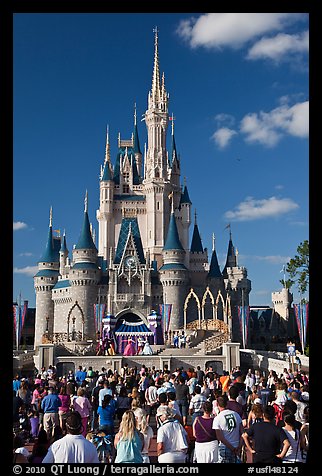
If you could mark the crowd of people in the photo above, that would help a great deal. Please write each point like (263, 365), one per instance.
(196, 415)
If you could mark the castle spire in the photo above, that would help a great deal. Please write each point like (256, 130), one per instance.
(136, 142)
(107, 146)
(85, 240)
(173, 240)
(156, 69)
(196, 244)
(51, 216)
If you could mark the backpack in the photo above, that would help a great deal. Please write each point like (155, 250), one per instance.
(278, 413)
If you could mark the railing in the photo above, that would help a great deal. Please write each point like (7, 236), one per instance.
(213, 342)
(208, 325)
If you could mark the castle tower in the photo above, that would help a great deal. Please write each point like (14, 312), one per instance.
(84, 277)
(237, 285)
(174, 274)
(198, 258)
(156, 119)
(44, 281)
(136, 146)
(156, 183)
(63, 253)
(105, 213)
(282, 301)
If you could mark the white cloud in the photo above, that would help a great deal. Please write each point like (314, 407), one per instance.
(280, 47)
(19, 225)
(28, 270)
(226, 119)
(216, 30)
(223, 136)
(25, 254)
(274, 259)
(268, 128)
(279, 187)
(251, 209)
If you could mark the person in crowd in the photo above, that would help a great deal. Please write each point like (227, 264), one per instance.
(106, 390)
(80, 376)
(106, 414)
(142, 386)
(182, 397)
(172, 444)
(270, 442)
(306, 434)
(71, 387)
(73, 447)
(249, 381)
(81, 404)
(129, 441)
(225, 382)
(34, 424)
(252, 397)
(196, 403)
(192, 382)
(200, 374)
(40, 447)
(17, 404)
(64, 406)
(299, 415)
(16, 383)
(36, 397)
(264, 393)
(172, 403)
(229, 428)
(147, 432)
(232, 404)
(296, 439)
(50, 406)
(206, 443)
(95, 403)
(20, 452)
(123, 403)
(256, 413)
(25, 394)
(151, 399)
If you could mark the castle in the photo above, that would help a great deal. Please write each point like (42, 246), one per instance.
(145, 257)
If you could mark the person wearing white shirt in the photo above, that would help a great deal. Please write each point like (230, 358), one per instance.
(229, 428)
(172, 442)
(73, 447)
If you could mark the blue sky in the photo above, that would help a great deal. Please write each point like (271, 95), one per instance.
(238, 86)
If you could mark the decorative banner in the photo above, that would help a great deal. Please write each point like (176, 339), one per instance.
(99, 313)
(19, 317)
(243, 316)
(302, 318)
(165, 312)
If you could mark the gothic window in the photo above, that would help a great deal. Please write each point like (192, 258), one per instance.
(126, 189)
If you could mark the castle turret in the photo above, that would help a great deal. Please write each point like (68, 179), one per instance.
(84, 277)
(44, 281)
(104, 214)
(63, 253)
(198, 258)
(174, 274)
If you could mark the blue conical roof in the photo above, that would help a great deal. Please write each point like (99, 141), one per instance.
(136, 142)
(85, 240)
(107, 172)
(185, 196)
(173, 240)
(231, 257)
(50, 253)
(63, 244)
(214, 270)
(196, 244)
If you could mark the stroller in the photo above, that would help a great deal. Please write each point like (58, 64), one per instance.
(104, 446)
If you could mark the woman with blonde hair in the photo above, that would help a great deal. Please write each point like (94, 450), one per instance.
(147, 432)
(81, 404)
(129, 441)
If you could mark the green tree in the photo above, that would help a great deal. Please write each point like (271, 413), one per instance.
(298, 267)
(287, 284)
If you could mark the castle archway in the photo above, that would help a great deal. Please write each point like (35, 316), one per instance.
(75, 323)
(191, 295)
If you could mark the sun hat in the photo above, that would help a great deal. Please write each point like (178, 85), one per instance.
(257, 400)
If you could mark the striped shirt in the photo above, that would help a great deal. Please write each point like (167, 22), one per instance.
(196, 403)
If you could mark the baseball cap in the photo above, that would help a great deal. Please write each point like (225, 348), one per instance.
(257, 400)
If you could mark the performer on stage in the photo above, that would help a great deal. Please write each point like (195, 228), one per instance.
(130, 348)
(147, 349)
(140, 344)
